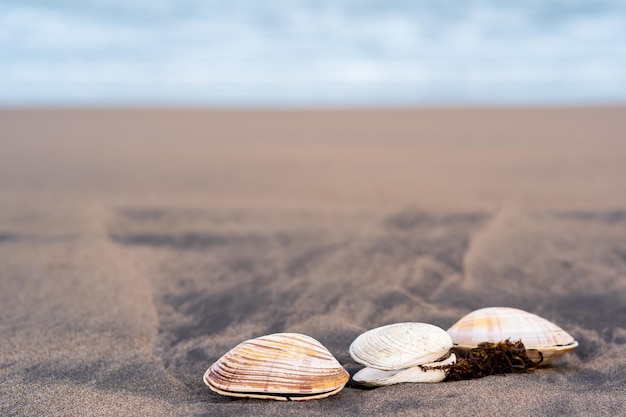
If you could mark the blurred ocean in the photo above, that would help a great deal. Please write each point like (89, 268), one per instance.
(312, 52)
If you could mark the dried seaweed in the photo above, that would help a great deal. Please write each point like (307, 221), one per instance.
(492, 359)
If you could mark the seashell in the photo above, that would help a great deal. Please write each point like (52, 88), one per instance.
(544, 340)
(280, 366)
(431, 372)
(402, 352)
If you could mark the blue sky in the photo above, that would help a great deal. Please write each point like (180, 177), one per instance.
(244, 52)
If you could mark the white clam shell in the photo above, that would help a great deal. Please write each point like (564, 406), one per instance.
(430, 372)
(400, 345)
(281, 366)
(544, 340)
(402, 352)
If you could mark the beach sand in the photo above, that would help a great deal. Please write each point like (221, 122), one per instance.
(138, 246)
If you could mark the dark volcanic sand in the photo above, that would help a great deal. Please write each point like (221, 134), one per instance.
(136, 247)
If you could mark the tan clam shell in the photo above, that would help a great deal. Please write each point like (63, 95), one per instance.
(544, 340)
(280, 366)
(402, 352)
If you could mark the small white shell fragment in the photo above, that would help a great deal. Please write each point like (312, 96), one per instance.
(280, 366)
(544, 340)
(402, 352)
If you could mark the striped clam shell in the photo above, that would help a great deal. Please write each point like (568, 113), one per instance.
(281, 366)
(402, 352)
(544, 340)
